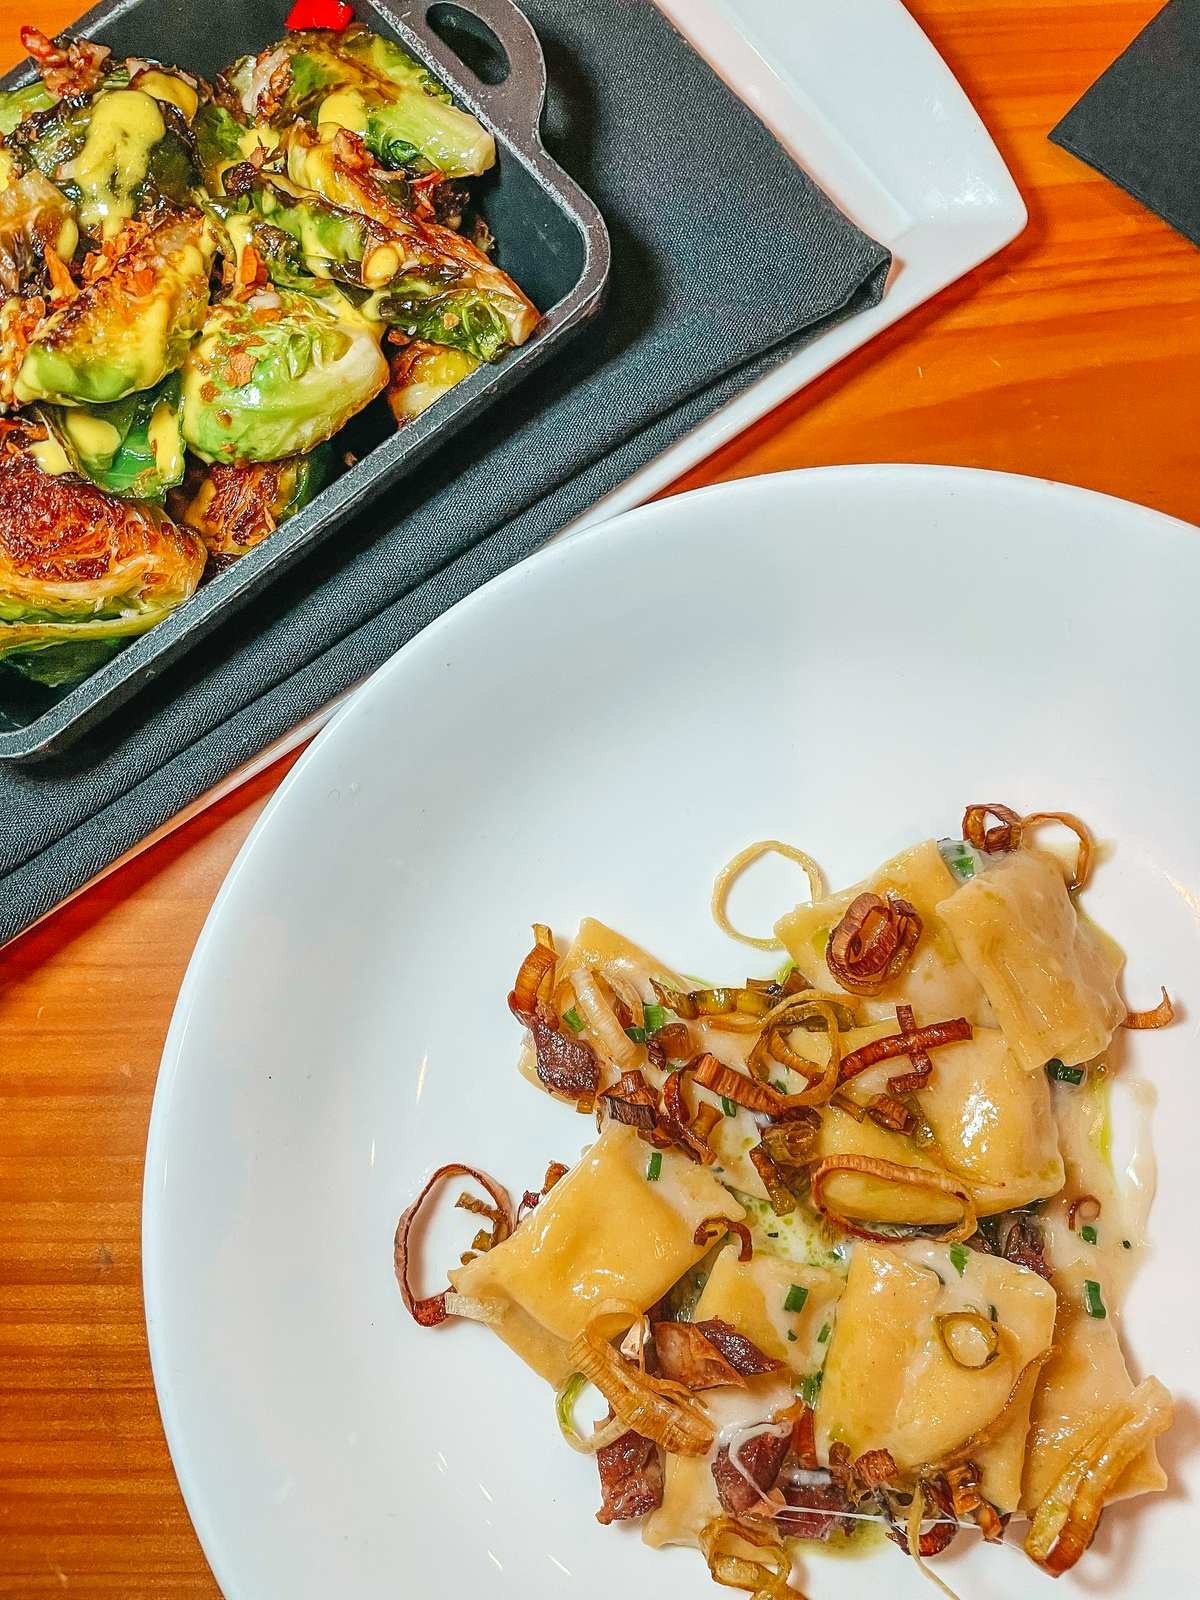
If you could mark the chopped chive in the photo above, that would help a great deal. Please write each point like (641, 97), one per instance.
(810, 1388)
(964, 866)
(791, 1336)
(785, 972)
(1127, 1244)
(727, 1106)
(958, 1258)
(654, 1167)
(1088, 1234)
(771, 1235)
(993, 1314)
(1092, 1299)
(638, 1035)
(1062, 1074)
(655, 1018)
(778, 1083)
(823, 1335)
(573, 1020)
(796, 1296)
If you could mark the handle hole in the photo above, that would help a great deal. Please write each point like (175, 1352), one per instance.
(472, 41)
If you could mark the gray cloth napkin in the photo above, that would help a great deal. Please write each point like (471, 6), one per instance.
(726, 258)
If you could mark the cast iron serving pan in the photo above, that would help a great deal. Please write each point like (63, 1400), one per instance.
(551, 239)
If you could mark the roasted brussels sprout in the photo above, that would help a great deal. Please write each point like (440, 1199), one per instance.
(442, 288)
(423, 373)
(235, 508)
(367, 84)
(126, 329)
(35, 217)
(132, 448)
(82, 572)
(275, 373)
(114, 156)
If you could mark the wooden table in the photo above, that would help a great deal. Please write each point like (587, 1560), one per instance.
(1071, 355)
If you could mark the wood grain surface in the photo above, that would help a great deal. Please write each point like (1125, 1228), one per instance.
(1072, 355)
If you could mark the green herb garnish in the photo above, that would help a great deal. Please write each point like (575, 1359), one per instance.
(958, 1258)
(810, 1388)
(727, 1106)
(573, 1020)
(823, 1335)
(1088, 1234)
(638, 1035)
(654, 1167)
(1062, 1074)
(796, 1296)
(1093, 1301)
(655, 1017)
(791, 1336)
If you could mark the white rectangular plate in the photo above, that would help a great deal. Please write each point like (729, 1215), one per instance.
(888, 133)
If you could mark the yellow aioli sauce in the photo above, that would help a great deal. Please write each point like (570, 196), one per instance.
(126, 125)
(170, 90)
(94, 438)
(165, 441)
(51, 457)
(344, 108)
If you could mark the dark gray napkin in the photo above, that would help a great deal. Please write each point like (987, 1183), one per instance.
(726, 257)
(1139, 124)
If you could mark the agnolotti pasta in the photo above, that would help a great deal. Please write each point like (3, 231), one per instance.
(607, 1231)
(936, 980)
(848, 1245)
(1049, 976)
(891, 1381)
(986, 1121)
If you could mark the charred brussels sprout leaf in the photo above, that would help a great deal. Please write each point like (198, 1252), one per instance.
(128, 329)
(275, 374)
(235, 508)
(16, 104)
(82, 572)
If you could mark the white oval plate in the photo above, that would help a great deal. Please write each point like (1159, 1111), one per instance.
(840, 657)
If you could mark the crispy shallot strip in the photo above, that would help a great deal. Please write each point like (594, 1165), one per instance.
(891, 1172)
(873, 942)
(433, 1309)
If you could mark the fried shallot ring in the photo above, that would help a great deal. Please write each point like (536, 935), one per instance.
(732, 871)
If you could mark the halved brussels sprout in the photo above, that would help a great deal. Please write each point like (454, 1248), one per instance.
(132, 448)
(422, 374)
(126, 330)
(360, 81)
(274, 374)
(235, 508)
(114, 156)
(82, 572)
(442, 288)
(35, 216)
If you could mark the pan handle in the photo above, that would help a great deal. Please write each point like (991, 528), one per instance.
(516, 103)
